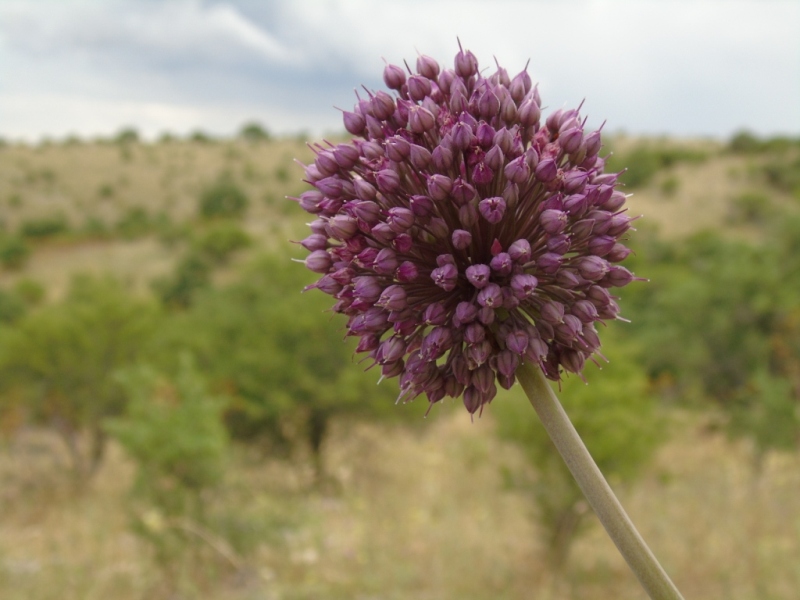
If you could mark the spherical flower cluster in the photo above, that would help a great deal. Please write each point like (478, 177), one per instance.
(461, 234)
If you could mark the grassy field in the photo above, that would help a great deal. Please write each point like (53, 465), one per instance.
(420, 511)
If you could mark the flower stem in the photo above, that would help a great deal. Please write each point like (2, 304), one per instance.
(641, 560)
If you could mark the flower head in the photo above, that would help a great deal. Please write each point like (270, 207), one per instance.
(461, 235)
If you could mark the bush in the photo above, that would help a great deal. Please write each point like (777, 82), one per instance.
(13, 251)
(223, 198)
(43, 227)
(61, 358)
(192, 274)
(135, 222)
(254, 132)
(750, 207)
(219, 242)
(644, 161)
(174, 433)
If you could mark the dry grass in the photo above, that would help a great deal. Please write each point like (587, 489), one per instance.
(420, 514)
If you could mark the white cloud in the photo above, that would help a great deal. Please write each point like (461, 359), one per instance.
(648, 66)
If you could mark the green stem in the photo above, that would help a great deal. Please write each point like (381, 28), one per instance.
(641, 560)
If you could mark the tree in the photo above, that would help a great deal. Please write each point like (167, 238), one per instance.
(283, 362)
(62, 358)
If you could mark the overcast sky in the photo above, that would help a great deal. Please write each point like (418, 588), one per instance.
(682, 67)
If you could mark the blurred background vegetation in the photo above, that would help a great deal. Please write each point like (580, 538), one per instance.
(178, 421)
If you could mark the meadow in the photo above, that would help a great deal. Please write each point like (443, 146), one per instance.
(178, 421)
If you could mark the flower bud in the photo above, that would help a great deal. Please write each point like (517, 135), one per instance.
(354, 123)
(319, 261)
(618, 253)
(517, 170)
(461, 239)
(466, 312)
(418, 87)
(435, 314)
(553, 221)
(501, 263)
(529, 112)
(478, 275)
(394, 77)
(400, 219)
(342, 227)
(427, 67)
(546, 170)
(442, 157)
(520, 86)
(468, 215)
(445, 277)
(420, 119)
(520, 251)
(421, 206)
(549, 262)
(490, 296)
(466, 65)
(419, 157)
(316, 241)
(494, 158)
(397, 148)
(570, 140)
(385, 261)
(592, 268)
(492, 209)
(439, 187)
(393, 298)
(523, 285)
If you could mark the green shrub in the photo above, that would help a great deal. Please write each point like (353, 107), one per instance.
(220, 241)
(174, 432)
(254, 132)
(61, 358)
(135, 222)
(43, 227)
(223, 198)
(191, 274)
(750, 207)
(31, 292)
(13, 251)
(12, 307)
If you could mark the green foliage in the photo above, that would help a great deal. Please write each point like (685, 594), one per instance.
(280, 357)
(129, 135)
(173, 430)
(714, 320)
(12, 307)
(43, 227)
(192, 274)
(29, 291)
(784, 175)
(220, 241)
(14, 251)
(645, 160)
(254, 132)
(135, 222)
(174, 433)
(751, 207)
(223, 198)
(618, 421)
(745, 142)
(61, 358)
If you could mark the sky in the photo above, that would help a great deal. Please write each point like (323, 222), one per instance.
(683, 68)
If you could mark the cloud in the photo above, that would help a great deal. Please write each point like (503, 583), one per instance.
(647, 66)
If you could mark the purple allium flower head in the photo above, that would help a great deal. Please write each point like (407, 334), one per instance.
(462, 235)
